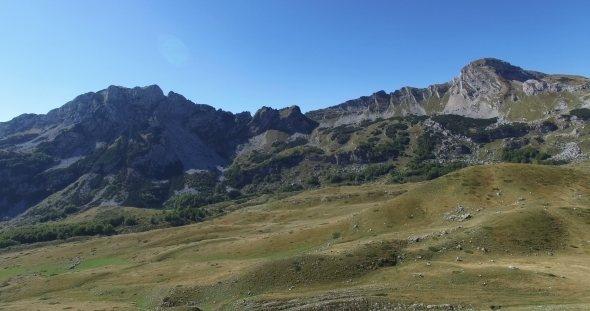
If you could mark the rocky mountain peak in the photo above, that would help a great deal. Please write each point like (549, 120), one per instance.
(489, 67)
(289, 120)
(292, 111)
(175, 96)
(142, 96)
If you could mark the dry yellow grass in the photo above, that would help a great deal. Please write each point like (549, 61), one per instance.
(323, 246)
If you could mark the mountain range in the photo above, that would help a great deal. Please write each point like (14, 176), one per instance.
(140, 147)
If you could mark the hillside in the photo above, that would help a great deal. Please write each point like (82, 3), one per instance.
(510, 236)
(140, 148)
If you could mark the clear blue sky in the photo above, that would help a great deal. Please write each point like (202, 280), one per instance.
(240, 55)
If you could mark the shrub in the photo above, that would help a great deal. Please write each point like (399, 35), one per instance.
(130, 221)
(25, 163)
(426, 170)
(463, 125)
(342, 133)
(549, 126)
(581, 113)
(44, 233)
(526, 154)
(334, 178)
(313, 180)
(372, 172)
(425, 147)
(390, 132)
(290, 188)
(280, 146)
(234, 194)
(376, 132)
(342, 138)
(196, 200)
(7, 243)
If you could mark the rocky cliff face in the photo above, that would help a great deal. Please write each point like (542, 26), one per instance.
(137, 133)
(485, 88)
(288, 120)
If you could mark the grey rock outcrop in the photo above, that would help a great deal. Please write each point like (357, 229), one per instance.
(289, 120)
(559, 84)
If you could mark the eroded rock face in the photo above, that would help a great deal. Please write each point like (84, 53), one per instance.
(289, 120)
(479, 91)
(137, 134)
(18, 124)
(535, 87)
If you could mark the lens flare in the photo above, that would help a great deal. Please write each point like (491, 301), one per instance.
(174, 51)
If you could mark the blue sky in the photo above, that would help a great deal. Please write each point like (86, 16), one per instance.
(240, 55)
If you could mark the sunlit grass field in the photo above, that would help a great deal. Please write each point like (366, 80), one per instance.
(371, 245)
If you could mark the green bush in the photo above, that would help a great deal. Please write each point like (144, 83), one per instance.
(373, 152)
(25, 163)
(550, 126)
(526, 154)
(426, 170)
(290, 188)
(463, 125)
(313, 180)
(241, 174)
(196, 200)
(280, 146)
(234, 194)
(7, 243)
(372, 172)
(342, 133)
(341, 138)
(129, 221)
(376, 132)
(334, 178)
(51, 232)
(425, 147)
(581, 113)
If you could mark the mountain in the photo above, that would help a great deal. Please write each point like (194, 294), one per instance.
(139, 147)
(136, 134)
(485, 88)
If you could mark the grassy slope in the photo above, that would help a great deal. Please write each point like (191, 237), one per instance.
(322, 245)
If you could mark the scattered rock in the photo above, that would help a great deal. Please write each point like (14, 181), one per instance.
(570, 152)
(74, 264)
